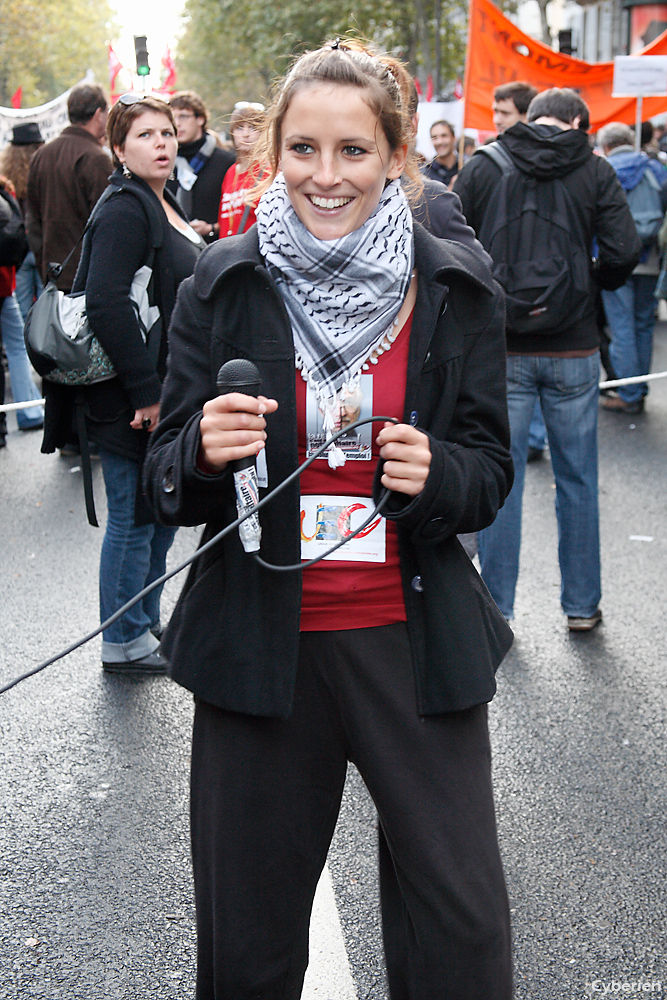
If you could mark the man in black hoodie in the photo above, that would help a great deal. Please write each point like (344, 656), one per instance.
(550, 158)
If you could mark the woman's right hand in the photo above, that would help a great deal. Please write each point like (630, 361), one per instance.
(232, 427)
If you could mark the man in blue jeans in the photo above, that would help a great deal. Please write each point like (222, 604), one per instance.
(557, 365)
(631, 309)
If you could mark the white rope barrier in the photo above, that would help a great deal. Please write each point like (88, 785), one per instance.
(632, 381)
(9, 407)
(25, 405)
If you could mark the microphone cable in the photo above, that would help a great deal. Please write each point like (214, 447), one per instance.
(218, 537)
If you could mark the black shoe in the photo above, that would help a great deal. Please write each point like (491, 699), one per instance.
(584, 624)
(535, 454)
(618, 405)
(153, 663)
(158, 631)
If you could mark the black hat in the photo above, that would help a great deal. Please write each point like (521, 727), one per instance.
(26, 135)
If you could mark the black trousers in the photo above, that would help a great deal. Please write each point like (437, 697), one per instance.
(265, 799)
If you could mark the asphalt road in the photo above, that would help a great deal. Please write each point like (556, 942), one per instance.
(95, 892)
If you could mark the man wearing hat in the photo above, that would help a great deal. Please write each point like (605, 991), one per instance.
(67, 176)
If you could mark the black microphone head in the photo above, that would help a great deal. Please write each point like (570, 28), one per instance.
(239, 375)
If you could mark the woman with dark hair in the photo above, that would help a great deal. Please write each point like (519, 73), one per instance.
(137, 233)
(384, 654)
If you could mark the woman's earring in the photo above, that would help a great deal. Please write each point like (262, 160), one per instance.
(172, 176)
(126, 171)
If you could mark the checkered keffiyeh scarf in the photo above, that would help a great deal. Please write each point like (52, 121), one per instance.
(343, 295)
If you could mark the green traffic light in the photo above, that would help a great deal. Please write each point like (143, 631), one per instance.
(143, 70)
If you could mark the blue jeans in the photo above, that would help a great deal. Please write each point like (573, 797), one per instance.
(631, 314)
(132, 557)
(28, 284)
(568, 392)
(537, 435)
(23, 387)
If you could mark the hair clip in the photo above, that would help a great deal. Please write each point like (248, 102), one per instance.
(335, 44)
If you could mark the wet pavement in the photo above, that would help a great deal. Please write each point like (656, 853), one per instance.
(95, 891)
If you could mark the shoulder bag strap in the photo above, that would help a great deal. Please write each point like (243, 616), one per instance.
(54, 272)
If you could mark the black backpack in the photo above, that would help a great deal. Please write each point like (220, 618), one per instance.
(13, 240)
(539, 250)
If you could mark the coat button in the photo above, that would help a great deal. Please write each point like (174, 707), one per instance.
(168, 480)
(417, 584)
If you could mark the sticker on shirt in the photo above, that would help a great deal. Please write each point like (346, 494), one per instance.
(326, 520)
(349, 406)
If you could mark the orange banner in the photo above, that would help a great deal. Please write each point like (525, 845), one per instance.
(498, 52)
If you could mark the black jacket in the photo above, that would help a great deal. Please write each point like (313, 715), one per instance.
(130, 227)
(547, 152)
(207, 189)
(439, 211)
(234, 635)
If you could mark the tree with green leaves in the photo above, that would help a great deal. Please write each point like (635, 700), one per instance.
(232, 50)
(46, 48)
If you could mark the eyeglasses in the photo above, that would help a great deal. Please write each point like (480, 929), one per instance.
(240, 105)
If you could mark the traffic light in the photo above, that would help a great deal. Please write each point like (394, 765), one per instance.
(141, 52)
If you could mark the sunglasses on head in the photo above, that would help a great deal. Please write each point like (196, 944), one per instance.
(130, 98)
(240, 105)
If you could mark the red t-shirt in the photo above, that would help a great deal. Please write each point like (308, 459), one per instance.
(232, 202)
(339, 593)
(7, 281)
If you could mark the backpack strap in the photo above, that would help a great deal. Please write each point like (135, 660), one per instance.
(497, 152)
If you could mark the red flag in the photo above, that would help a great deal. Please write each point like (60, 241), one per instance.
(458, 90)
(115, 66)
(429, 88)
(169, 82)
(498, 52)
(16, 97)
(418, 86)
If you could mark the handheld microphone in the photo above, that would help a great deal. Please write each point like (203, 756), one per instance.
(240, 375)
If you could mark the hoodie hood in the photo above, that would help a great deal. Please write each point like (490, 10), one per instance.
(629, 165)
(546, 152)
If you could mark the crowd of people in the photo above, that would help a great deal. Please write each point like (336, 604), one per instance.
(467, 300)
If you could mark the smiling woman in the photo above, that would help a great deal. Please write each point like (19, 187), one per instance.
(335, 160)
(385, 653)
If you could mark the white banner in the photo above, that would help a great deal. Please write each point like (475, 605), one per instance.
(51, 118)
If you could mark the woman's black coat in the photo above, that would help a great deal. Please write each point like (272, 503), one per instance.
(129, 230)
(234, 636)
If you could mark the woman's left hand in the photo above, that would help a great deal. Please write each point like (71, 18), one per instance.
(151, 413)
(407, 458)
